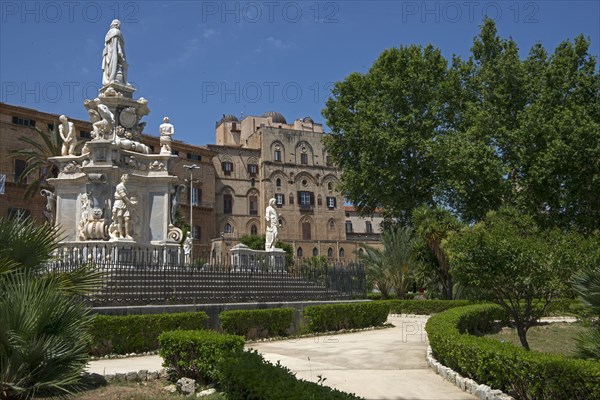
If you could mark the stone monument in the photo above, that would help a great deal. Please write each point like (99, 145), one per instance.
(272, 258)
(115, 194)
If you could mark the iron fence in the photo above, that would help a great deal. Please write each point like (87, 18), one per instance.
(139, 282)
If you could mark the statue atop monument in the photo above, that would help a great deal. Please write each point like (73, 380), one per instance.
(114, 65)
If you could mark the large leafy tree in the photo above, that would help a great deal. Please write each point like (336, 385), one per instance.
(473, 135)
(44, 326)
(384, 124)
(509, 260)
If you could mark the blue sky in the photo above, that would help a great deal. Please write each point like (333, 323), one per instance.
(197, 60)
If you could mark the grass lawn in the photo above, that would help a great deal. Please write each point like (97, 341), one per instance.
(555, 338)
(149, 390)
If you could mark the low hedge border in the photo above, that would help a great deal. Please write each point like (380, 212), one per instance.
(423, 307)
(194, 354)
(138, 333)
(246, 375)
(335, 317)
(520, 373)
(253, 324)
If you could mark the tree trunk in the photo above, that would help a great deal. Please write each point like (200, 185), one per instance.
(522, 332)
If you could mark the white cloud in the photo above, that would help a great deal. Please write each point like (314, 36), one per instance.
(206, 33)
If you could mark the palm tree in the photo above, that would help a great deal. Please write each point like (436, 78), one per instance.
(44, 329)
(391, 267)
(38, 148)
(432, 226)
(587, 286)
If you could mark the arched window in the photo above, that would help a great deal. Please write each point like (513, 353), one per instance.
(253, 230)
(329, 186)
(278, 182)
(330, 252)
(342, 253)
(291, 198)
(315, 252)
(332, 224)
(228, 228)
(319, 200)
(299, 252)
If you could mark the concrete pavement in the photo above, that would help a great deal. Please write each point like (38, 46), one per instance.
(375, 364)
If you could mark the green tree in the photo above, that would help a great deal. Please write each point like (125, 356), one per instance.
(432, 226)
(473, 135)
(509, 260)
(44, 328)
(383, 127)
(393, 266)
(36, 151)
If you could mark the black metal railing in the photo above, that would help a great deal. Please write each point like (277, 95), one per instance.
(140, 283)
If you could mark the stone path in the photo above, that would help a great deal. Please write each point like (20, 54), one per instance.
(375, 364)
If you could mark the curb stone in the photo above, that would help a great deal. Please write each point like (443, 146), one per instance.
(482, 392)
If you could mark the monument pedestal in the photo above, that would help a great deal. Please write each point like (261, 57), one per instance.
(244, 258)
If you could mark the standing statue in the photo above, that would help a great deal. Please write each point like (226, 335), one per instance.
(121, 215)
(67, 133)
(166, 131)
(114, 66)
(187, 248)
(175, 201)
(50, 211)
(272, 226)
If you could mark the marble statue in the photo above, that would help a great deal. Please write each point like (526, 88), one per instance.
(66, 129)
(114, 66)
(175, 201)
(50, 211)
(187, 248)
(166, 131)
(121, 214)
(272, 226)
(103, 122)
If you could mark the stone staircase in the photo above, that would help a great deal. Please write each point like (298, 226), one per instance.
(189, 285)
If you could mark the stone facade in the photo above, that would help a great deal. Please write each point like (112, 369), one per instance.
(264, 157)
(254, 160)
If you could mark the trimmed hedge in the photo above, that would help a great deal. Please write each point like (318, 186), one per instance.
(424, 307)
(333, 317)
(257, 323)
(138, 333)
(246, 375)
(523, 374)
(194, 354)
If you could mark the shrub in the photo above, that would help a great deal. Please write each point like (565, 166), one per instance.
(257, 323)
(246, 375)
(194, 354)
(333, 317)
(139, 333)
(523, 374)
(423, 307)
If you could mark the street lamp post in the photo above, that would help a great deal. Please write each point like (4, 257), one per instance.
(191, 168)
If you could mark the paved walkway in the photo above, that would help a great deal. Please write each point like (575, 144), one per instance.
(375, 364)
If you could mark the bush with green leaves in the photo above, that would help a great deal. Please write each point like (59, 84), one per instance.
(194, 354)
(139, 333)
(44, 326)
(423, 307)
(257, 323)
(587, 286)
(246, 375)
(512, 369)
(334, 317)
